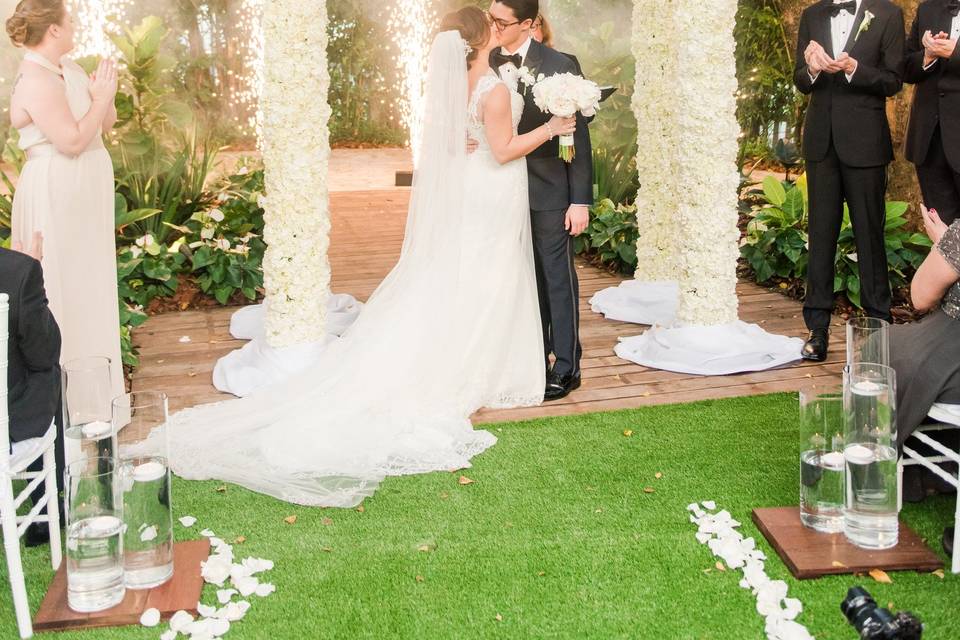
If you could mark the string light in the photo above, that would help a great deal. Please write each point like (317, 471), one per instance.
(411, 28)
(96, 21)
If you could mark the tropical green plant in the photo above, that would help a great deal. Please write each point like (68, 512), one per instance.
(775, 241)
(161, 162)
(611, 235)
(614, 176)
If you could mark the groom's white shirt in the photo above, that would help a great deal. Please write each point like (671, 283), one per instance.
(510, 73)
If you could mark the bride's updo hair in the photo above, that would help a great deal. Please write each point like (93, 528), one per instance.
(472, 24)
(31, 19)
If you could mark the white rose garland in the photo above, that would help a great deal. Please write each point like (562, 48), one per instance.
(687, 134)
(296, 153)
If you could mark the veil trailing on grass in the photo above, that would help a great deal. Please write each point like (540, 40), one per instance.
(391, 396)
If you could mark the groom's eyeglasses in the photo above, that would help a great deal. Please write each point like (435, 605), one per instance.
(501, 25)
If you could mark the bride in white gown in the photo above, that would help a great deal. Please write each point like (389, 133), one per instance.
(453, 328)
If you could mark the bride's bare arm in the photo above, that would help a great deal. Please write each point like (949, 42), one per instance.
(44, 100)
(498, 124)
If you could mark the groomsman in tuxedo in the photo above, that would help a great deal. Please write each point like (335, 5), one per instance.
(849, 59)
(932, 63)
(33, 356)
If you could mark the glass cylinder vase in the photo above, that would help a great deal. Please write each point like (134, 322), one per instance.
(868, 341)
(870, 456)
(86, 409)
(145, 482)
(821, 459)
(94, 517)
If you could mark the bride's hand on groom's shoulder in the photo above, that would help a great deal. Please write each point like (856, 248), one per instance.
(577, 219)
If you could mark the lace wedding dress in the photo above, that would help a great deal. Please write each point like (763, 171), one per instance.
(453, 328)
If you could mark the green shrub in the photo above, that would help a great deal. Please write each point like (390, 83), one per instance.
(611, 235)
(776, 245)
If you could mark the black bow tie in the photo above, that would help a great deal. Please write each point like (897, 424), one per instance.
(954, 7)
(501, 59)
(849, 7)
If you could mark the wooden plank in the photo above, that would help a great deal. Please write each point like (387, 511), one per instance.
(182, 592)
(811, 554)
(366, 236)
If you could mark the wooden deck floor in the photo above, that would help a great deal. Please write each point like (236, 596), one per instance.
(365, 243)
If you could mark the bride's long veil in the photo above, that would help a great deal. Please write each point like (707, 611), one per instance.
(387, 398)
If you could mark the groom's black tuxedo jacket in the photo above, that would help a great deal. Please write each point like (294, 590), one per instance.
(937, 97)
(852, 115)
(554, 184)
(33, 375)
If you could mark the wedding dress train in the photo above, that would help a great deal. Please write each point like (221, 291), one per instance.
(453, 328)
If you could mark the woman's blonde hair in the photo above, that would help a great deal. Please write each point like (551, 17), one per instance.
(31, 19)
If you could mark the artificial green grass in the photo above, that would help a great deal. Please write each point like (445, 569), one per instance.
(556, 536)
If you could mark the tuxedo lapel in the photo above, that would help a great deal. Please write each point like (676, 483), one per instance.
(852, 39)
(944, 19)
(820, 28)
(493, 63)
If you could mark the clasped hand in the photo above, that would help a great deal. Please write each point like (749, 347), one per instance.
(818, 61)
(937, 46)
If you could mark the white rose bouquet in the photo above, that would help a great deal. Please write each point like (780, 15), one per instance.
(563, 95)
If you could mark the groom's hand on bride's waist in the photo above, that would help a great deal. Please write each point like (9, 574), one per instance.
(577, 219)
(472, 145)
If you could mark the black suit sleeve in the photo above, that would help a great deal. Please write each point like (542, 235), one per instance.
(887, 79)
(953, 63)
(38, 335)
(913, 71)
(580, 171)
(801, 73)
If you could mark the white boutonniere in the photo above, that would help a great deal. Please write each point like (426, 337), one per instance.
(526, 76)
(865, 25)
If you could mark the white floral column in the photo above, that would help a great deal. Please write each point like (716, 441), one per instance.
(653, 105)
(296, 153)
(704, 167)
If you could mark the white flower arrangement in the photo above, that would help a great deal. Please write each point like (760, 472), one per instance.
(865, 25)
(296, 152)
(564, 95)
(687, 205)
(525, 75)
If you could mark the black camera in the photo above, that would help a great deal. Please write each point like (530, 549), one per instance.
(876, 623)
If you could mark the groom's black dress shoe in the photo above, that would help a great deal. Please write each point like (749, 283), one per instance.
(560, 386)
(948, 540)
(815, 348)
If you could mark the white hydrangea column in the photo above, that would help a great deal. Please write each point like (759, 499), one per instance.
(703, 149)
(296, 153)
(653, 105)
(687, 133)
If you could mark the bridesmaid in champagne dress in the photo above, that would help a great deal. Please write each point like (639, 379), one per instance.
(65, 192)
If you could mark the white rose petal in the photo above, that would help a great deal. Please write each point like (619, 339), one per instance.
(169, 634)
(216, 215)
(148, 534)
(246, 585)
(207, 533)
(224, 595)
(265, 589)
(185, 340)
(150, 618)
(205, 611)
(188, 521)
(180, 621)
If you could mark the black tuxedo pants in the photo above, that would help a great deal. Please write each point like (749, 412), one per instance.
(830, 182)
(558, 289)
(939, 182)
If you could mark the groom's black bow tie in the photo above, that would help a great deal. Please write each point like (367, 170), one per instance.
(501, 59)
(954, 7)
(837, 7)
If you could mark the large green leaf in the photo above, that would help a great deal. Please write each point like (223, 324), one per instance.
(774, 191)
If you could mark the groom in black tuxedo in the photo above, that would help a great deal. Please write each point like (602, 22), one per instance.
(560, 193)
(932, 63)
(850, 60)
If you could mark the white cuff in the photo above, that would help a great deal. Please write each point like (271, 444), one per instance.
(930, 66)
(813, 78)
(850, 76)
